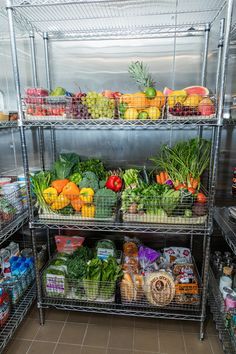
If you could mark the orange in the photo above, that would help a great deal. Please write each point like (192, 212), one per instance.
(158, 101)
(136, 100)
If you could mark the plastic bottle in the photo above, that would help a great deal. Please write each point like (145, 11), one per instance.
(234, 183)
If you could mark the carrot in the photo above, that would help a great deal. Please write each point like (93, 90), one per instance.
(162, 177)
(195, 183)
(158, 179)
(166, 176)
(59, 184)
(191, 181)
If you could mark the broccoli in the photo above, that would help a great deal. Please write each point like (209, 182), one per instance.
(105, 198)
(89, 180)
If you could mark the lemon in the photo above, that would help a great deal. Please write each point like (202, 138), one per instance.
(131, 113)
(154, 112)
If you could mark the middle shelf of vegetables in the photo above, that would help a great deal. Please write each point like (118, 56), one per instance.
(168, 198)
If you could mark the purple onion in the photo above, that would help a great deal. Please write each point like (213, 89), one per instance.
(169, 182)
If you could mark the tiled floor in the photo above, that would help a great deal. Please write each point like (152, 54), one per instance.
(80, 333)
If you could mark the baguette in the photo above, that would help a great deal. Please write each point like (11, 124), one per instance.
(127, 288)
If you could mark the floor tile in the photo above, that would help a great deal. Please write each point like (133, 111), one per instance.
(97, 318)
(141, 322)
(18, 346)
(96, 336)
(92, 350)
(56, 315)
(171, 342)
(28, 329)
(216, 345)
(41, 347)
(211, 328)
(67, 348)
(50, 331)
(191, 326)
(119, 351)
(73, 333)
(123, 321)
(170, 325)
(146, 339)
(33, 313)
(79, 317)
(195, 346)
(121, 337)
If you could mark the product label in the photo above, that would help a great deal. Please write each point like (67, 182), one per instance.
(104, 253)
(55, 284)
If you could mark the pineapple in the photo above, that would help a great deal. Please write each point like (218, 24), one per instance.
(140, 74)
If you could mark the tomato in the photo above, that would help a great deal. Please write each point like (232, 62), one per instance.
(191, 190)
(201, 198)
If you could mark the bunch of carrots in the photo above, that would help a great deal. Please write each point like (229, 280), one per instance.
(183, 164)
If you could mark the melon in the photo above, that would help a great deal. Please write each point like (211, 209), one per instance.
(197, 90)
(206, 107)
(167, 91)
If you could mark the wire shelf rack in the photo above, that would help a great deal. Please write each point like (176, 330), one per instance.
(17, 314)
(9, 229)
(8, 124)
(118, 309)
(227, 226)
(198, 230)
(115, 19)
(216, 303)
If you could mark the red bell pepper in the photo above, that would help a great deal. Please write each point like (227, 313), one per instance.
(114, 183)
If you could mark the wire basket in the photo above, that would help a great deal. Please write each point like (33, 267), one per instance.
(162, 291)
(47, 108)
(17, 285)
(77, 207)
(75, 289)
(163, 210)
(13, 202)
(192, 107)
(138, 107)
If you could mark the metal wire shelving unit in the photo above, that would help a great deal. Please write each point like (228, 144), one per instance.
(227, 226)
(216, 303)
(17, 314)
(110, 20)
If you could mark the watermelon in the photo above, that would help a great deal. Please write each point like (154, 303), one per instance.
(167, 91)
(199, 90)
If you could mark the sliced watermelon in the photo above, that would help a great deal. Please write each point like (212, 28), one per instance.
(167, 91)
(199, 90)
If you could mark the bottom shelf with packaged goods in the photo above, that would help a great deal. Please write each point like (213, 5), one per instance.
(224, 325)
(17, 314)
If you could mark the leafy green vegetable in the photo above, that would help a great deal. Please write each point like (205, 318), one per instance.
(41, 181)
(76, 178)
(93, 165)
(64, 166)
(111, 272)
(68, 210)
(89, 180)
(131, 178)
(92, 279)
(170, 200)
(72, 157)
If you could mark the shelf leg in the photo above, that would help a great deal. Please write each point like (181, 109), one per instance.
(220, 50)
(41, 147)
(33, 60)
(53, 143)
(205, 285)
(46, 57)
(38, 278)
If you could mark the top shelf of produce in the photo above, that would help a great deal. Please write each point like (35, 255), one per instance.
(103, 19)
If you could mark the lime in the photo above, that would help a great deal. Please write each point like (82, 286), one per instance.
(143, 115)
(150, 92)
(131, 113)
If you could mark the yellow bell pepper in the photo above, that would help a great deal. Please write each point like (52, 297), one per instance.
(86, 195)
(50, 195)
(88, 211)
(60, 203)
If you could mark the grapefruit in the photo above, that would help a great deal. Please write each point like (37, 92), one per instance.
(198, 90)
(154, 113)
(167, 91)
(206, 107)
